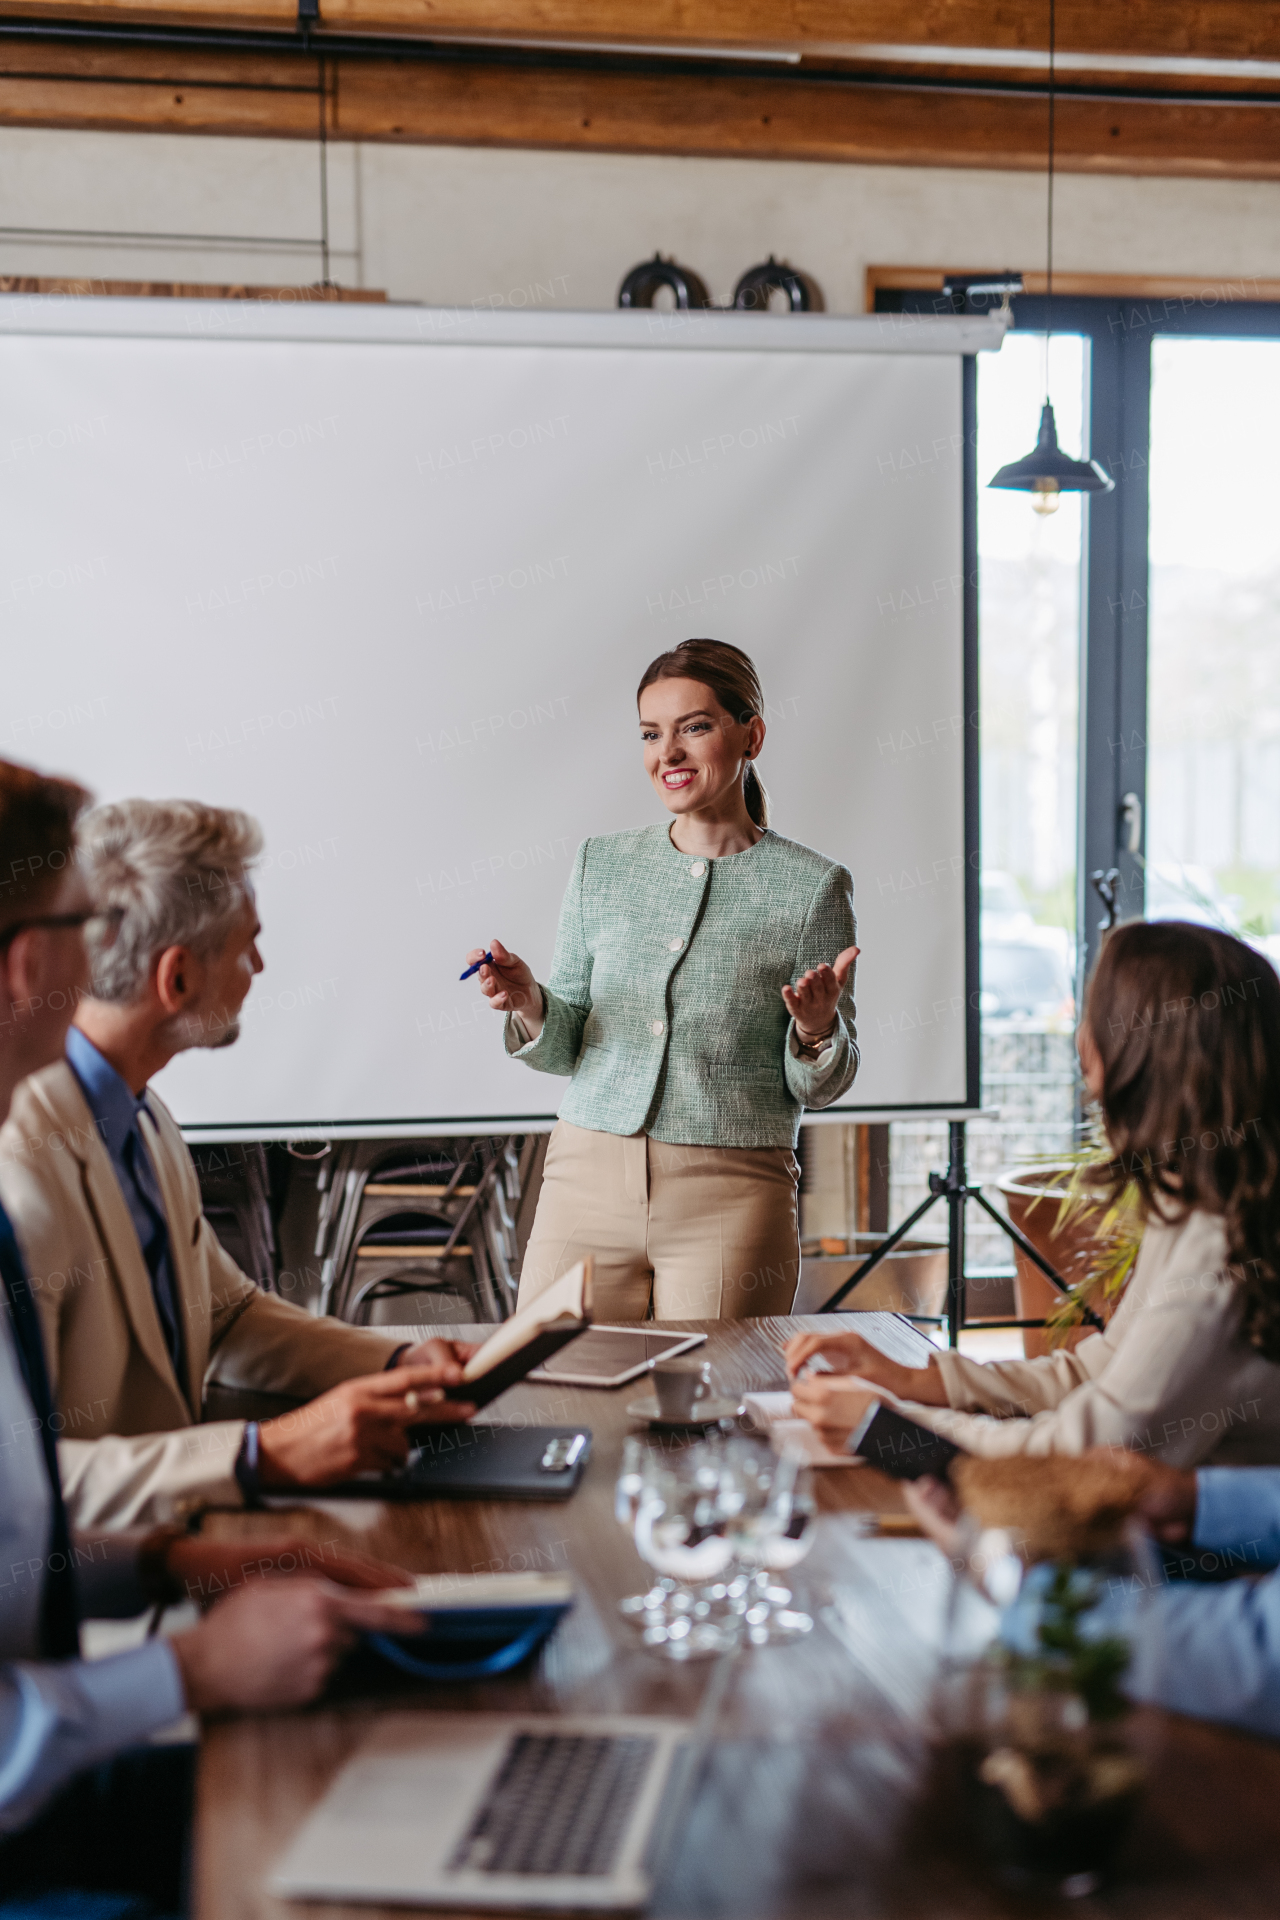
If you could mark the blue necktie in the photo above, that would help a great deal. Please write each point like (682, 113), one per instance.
(155, 1248)
(59, 1610)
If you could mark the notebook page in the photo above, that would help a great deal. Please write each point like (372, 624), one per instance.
(570, 1295)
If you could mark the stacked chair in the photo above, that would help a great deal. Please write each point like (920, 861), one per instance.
(444, 1221)
(235, 1188)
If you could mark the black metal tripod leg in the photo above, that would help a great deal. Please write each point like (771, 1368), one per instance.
(1033, 1254)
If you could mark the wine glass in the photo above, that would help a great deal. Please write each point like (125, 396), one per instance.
(770, 1526)
(639, 1463)
(681, 1531)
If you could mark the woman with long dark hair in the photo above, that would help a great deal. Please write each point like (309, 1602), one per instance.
(1180, 1045)
(701, 996)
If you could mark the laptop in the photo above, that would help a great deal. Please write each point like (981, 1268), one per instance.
(493, 1810)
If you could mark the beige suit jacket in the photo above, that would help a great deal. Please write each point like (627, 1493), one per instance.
(131, 1448)
(1172, 1375)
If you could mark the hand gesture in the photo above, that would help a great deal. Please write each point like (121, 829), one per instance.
(847, 1353)
(833, 1405)
(813, 999)
(509, 986)
(437, 1353)
(274, 1645)
(208, 1568)
(360, 1427)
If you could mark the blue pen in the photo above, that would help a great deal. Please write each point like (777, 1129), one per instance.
(485, 960)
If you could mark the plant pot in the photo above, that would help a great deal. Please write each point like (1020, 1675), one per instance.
(1034, 1211)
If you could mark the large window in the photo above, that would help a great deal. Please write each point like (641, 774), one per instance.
(1130, 657)
(1213, 741)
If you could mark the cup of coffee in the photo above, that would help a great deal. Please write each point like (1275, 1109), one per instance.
(681, 1387)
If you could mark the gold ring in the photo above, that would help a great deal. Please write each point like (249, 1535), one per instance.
(412, 1401)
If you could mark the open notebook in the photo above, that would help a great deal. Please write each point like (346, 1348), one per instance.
(894, 1336)
(549, 1322)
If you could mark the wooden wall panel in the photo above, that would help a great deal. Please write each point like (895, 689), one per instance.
(1177, 289)
(780, 119)
(742, 115)
(1218, 29)
(189, 290)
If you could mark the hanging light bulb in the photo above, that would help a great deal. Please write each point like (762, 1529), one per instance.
(1047, 472)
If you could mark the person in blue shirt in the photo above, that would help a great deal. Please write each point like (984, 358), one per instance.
(68, 1818)
(1209, 1647)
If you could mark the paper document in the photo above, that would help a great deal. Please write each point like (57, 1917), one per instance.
(890, 1335)
(772, 1412)
(569, 1298)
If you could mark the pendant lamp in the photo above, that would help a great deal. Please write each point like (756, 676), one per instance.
(1047, 472)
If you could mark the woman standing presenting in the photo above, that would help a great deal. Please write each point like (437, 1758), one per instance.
(701, 996)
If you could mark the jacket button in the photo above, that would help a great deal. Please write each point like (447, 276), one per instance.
(698, 868)
(656, 1028)
(674, 946)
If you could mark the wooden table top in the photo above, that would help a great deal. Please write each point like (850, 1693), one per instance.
(818, 1798)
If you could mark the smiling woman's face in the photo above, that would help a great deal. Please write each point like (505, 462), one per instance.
(694, 752)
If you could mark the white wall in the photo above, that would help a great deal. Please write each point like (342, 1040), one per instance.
(456, 225)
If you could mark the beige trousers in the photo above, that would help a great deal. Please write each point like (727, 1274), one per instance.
(695, 1233)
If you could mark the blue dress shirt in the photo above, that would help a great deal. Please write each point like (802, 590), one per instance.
(1214, 1650)
(56, 1716)
(115, 1109)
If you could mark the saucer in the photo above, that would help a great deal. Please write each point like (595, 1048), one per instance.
(708, 1413)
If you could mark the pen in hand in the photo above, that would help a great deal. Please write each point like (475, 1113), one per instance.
(485, 960)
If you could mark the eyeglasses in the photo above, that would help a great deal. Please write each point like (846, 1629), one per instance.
(85, 920)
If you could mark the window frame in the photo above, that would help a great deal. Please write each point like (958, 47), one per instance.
(1115, 586)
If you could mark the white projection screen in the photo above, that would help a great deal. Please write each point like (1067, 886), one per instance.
(388, 577)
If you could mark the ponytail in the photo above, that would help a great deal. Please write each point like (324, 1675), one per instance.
(757, 799)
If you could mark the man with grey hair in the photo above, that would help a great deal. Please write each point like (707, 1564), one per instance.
(140, 1305)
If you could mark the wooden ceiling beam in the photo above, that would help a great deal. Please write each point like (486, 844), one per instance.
(1187, 29)
(745, 116)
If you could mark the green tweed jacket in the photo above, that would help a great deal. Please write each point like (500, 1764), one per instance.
(664, 1001)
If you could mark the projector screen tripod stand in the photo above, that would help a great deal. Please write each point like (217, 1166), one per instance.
(953, 1186)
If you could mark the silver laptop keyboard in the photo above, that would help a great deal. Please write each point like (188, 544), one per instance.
(559, 1804)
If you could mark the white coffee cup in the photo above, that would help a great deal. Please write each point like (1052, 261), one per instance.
(681, 1387)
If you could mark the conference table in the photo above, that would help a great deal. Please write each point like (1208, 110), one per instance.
(820, 1793)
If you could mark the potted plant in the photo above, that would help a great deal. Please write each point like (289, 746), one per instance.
(1092, 1242)
(1035, 1711)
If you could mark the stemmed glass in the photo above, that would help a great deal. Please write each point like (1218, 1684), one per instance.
(680, 1523)
(770, 1527)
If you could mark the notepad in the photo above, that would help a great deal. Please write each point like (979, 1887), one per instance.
(463, 1592)
(772, 1412)
(556, 1316)
(569, 1297)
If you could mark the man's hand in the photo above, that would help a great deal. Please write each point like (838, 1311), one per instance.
(438, 1353)
(273, 1645)
(1165, 1497)
(359, 1427)
(813, 1000)
(833, 1405)
(937, 1509)
(850, 1353)
(208, 1569)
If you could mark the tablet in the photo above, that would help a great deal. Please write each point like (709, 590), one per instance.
(610, 1356)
